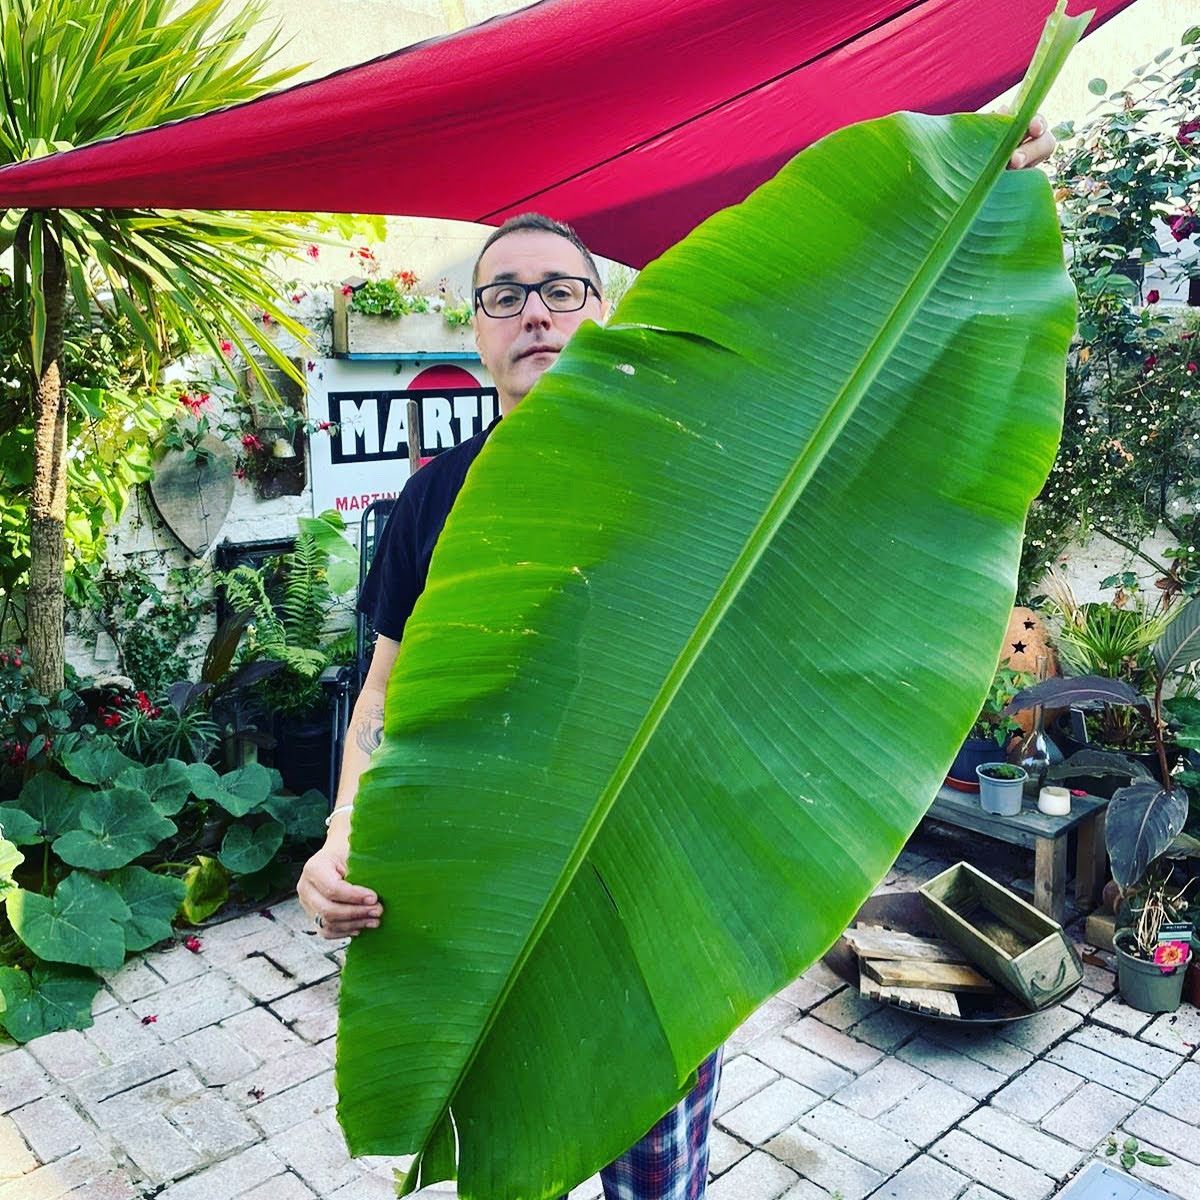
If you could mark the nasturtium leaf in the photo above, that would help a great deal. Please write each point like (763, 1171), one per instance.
(114, 827)
(98, 761)
(238, 792)
(10, 859)
(18, 826)
(206, 887)
(708, 621)
(53, 997)
(244, 850)
(152, 899)
(82, 922)
(302, 816)
(167, 784)
(51, 801)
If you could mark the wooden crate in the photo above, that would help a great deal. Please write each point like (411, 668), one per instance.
(1022, 949)
(417, 333)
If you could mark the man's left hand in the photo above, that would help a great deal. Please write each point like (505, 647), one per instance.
(1037, 145)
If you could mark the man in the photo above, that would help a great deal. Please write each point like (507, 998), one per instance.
(534, 284)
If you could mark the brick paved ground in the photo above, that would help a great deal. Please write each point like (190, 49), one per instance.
(228, 1093)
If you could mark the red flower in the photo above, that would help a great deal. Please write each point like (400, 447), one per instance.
(363, 252)
(1150, 361)
(310, 366)
(194, 404)
(1169, 955)
(1191, 367)
(1183, 136)
(149, 1019)
(406, 279)
(1152, 296)
(1183, 224)
(111, 719)
(238, 473)
(297, 297)
(193, 943)
(314, 251)
(324, 425)
(16, 753)
(267, 319)
(226, 346)
(251, 442)
(347, 290)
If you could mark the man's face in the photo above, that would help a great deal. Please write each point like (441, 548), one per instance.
(516, 350)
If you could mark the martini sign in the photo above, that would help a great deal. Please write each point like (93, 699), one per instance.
(367, 453)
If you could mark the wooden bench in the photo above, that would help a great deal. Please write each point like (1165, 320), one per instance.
(1047, 837)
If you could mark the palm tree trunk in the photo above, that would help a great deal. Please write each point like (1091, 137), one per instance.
(48, 510)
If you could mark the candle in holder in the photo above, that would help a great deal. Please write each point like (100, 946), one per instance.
(1055, 801)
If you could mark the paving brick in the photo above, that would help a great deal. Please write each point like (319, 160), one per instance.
(302, 960)
(158, 1149)
(1091, 1114)
(985, 1047)
(989, 1166)
(767, 1112)
(317, 1153)
(888, 1028)
(1083, 1000)
(120, 1077)
(132, 981)
(288, 912)
(1023, 1141)
(832, 1044)
(1179, 1138)
(1037, 1091)
(85, 1175)
(951, 1067)
(16, 1158)
(1099, 979)
(119, 1035)
(1178, 1095)
(283, 1187)
(741, 1077)
(802, 1065)
(182, 1008)
(978, 1192)
(212, 1125)
(589, 1189)
(805, 1189)
(234, 929)
(67, 1054)
(1116, 1014)
(845, 1009)
(1178, 1031)
(883, 1086)
(757, 1177)
(764, 1022)
(275, 1076)
(21, 1080)
(807, 992)
(312, 1011)
(1124, 1048)
(174, 964)
(217, 1056)
(374, 1187)
(225, 1180)
(824, 976)
(102, 1001)
(52, 1127)
(146, 1101)
(860, 1138)
(1039, 1032)
(288, 1108)
(923, 1179)
(823, 1164)
(724, 1150)
(262, 1033)
(928, 1112)
(1103, 1070)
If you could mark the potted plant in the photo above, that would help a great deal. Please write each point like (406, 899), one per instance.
(1154, 951)
(992, 731)
(1001, 786)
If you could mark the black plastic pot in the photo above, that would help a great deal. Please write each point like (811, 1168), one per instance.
(973, 753)
(303, 751)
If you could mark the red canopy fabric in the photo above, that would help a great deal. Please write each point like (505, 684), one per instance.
(632, 121)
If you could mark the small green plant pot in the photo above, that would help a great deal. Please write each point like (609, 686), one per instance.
(1000, 797)
(1145, 986)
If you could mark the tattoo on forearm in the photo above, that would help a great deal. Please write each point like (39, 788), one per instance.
(368, 728)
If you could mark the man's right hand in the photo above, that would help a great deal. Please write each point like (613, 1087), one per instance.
(344, 909)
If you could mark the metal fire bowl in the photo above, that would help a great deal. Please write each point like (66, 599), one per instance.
(906, 913)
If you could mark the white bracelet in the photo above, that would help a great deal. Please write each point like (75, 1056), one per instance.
(342, 808)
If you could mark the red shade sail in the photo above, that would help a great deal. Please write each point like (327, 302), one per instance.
(632, 121)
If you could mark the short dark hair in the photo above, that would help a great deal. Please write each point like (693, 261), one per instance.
(536, 223)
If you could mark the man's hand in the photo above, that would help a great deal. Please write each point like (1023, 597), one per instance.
(1037, 145)
(340, 909)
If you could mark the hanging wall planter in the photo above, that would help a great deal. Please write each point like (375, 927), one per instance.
(193, 494)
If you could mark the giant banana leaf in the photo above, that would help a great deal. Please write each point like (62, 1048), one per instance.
(714, 610)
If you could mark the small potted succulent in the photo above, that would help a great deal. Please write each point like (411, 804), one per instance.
(1001, 786)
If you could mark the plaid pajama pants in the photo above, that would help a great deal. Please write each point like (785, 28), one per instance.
(671, 1161)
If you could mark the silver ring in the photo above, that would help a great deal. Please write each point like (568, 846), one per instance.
(318, 921)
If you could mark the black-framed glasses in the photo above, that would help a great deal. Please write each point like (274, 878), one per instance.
(563, 293)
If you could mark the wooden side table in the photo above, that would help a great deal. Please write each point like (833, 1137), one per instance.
(1047, 837)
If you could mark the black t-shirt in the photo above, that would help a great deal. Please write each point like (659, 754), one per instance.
(401, 562)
